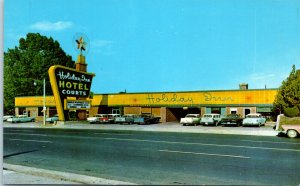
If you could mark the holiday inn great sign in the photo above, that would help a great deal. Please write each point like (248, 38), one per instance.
(68, 82)
(73, 83)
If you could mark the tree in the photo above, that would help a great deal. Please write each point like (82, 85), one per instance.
(29, 63)
(287, 100)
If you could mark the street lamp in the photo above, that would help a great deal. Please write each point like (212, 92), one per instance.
(44, 95)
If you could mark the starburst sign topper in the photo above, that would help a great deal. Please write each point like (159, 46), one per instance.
(81, 42)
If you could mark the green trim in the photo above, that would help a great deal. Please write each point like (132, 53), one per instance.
(236, 105)
(194, 105)
(33, 96)
(35, 106)
(154, 105)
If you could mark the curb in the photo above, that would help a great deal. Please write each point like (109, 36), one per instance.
(80, 179)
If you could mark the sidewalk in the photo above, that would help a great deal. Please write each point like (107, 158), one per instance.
(15, 174)
(13, 177)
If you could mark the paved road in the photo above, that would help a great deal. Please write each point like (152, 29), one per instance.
(157, 158)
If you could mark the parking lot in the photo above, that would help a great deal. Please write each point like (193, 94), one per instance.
(266, 130)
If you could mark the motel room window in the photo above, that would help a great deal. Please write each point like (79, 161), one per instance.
(216, 110)
(233, 110)
(40, 111)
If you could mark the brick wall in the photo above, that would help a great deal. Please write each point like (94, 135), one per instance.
(170, 116)
(132, 110)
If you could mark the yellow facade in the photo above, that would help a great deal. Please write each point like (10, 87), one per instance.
(34, 101)
(230, 97)
(247, 97)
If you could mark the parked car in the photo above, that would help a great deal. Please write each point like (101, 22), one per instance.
(6, 117)
(98, 118)
(232, 119)
(254, 119)
(20, 119)
(112, 117)
(52, 119)
(126, 118)
(210, 119)
(190, 119)
(292, 131)
(146, 118)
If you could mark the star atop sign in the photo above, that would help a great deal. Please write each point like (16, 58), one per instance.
(81, 44)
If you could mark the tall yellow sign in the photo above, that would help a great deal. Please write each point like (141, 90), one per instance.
(68, 83)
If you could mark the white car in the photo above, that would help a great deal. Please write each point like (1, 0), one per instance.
(254, 119)
(112, 117)
(126, 118)
(7, 117)
(98, 118)
(52, 119)
(21, 118)
(210, 119)
(190, 119)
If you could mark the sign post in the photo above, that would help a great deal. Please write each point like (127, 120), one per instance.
(44, 108)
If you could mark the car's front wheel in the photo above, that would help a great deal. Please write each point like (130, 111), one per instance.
(292, 133)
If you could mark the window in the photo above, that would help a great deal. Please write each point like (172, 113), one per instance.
(216, 110)
(233, 110)
(40, 111)
(247, 111)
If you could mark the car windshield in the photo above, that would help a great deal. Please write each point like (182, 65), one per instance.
(190, 116)
(207, 116)
(233, 116)
(252, 116)
(129, 115)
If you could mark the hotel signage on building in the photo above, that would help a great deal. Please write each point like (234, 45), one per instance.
(77, 104)
(68, 82)
(73, 83)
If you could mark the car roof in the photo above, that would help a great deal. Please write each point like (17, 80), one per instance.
(253, 114)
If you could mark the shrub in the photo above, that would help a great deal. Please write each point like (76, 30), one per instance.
(288, 121)
(291, 111)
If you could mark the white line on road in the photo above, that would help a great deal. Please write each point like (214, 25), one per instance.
(206, 154)
(204, 144)
(38, 141)
(27, 130)
(271, 142)
(114, 134)
(25, 134)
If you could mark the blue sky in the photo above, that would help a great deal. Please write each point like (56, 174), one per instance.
(169, 45)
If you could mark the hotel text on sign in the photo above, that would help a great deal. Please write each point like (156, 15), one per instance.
(73, 83)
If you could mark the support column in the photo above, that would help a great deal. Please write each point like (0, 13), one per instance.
(163, 114)
(80, 64)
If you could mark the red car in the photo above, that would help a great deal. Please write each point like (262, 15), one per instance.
(292, 131)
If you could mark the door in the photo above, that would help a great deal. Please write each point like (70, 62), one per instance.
(247, 111)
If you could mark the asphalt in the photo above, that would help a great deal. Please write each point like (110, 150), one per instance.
(16, 174)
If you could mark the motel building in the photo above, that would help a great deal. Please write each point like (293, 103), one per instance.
(71, 99)
(169, 106)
